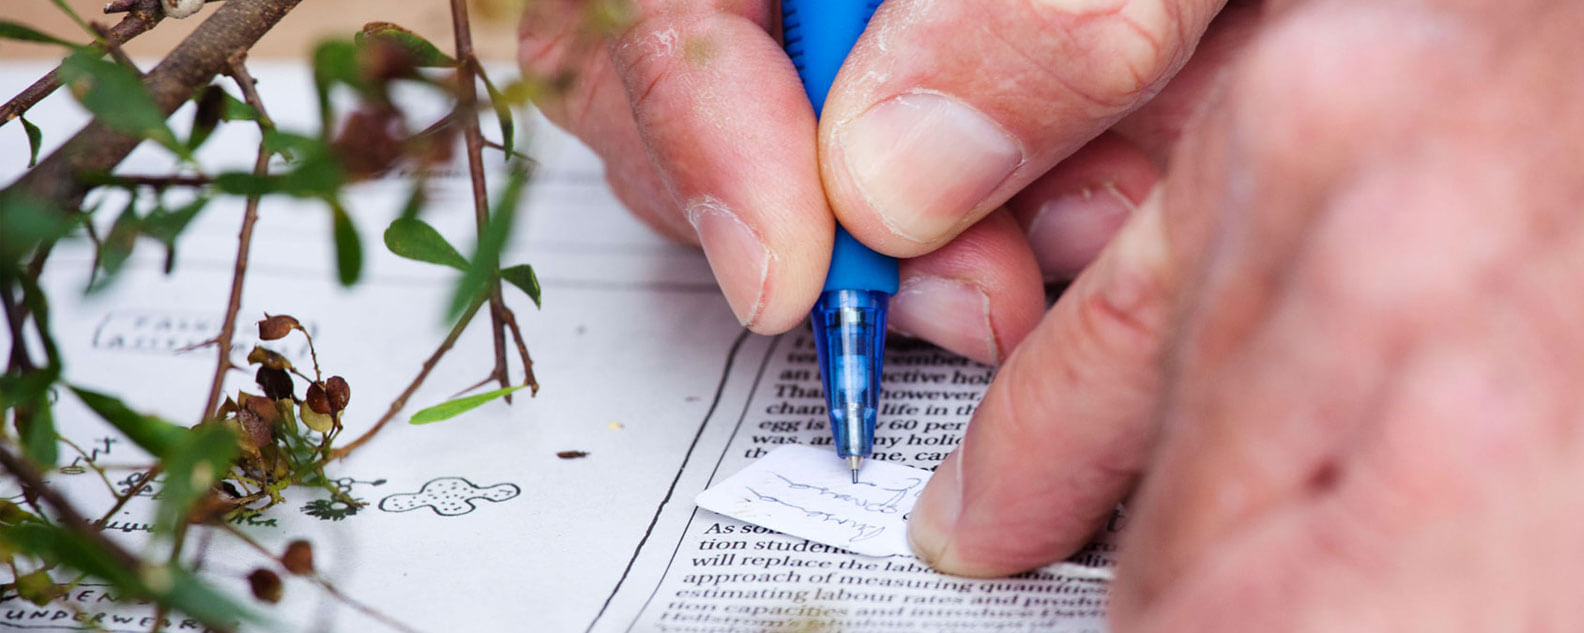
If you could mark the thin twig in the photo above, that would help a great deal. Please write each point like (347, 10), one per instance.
(98, 256)
(324, 583)
(92, 465)
(122, 6)
(522, 350)
(121, 500)
(114, 47)
(192, 64)
(401, 400)
(65, 513)
(15, 317)
(157, 182)
(139, 20)
(487, 380)
(467, 101)
(245, 81)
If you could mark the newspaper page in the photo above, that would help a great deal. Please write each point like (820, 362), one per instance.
(569, 511)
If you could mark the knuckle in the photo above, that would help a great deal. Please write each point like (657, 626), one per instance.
(1113, 52)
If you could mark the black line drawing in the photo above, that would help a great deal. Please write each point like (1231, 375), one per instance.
(331, 509)
(449, 496)
(337, 508)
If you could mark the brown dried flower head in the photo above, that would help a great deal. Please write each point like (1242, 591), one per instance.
(276, 327)
(339, 391)
(298, 558)
(266, 585)
(317, 399)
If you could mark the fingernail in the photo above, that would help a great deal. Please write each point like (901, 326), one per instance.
(935, 513)
(951, 313)
(736, 254)
(1069, 231)
(923, 161)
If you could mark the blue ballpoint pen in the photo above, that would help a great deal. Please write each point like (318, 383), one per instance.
(849, 319)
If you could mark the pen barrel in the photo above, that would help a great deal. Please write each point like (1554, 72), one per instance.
(817, 36)
(849, 336)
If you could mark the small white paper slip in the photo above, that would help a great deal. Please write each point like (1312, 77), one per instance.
(806, 492)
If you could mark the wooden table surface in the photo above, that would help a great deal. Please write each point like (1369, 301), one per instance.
(494, 36)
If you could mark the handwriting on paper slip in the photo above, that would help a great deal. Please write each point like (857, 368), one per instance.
(808, 493)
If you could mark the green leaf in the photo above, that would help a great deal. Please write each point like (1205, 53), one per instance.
(349, 248)
(165, 225)
(211, 106)
(314, 171)
(522, 276)
(13, 31)
(27, 388)
(413, 238)
(422, 51)
(452, 408)
(158, 437)
(192, 467)
(415, 200)
(237, 109)
(117, 246)
(38, 436)
(503, 114)
(334, 61)
(167, 585)
(485, 265)
(35, 139)
(116, 96)
(26, 222)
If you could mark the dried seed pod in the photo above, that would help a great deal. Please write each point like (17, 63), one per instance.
(317, 399)
(369, 143)
(266, 585)
(321, 422)
(264, 408)
(272, 360)
(298, 558)
(339, 392)
(212, 507)
(256, 428)
(275, 327)
(276, 383)
(381, 61)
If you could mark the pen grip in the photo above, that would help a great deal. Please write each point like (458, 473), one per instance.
(818, 36)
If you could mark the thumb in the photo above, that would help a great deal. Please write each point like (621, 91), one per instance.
(1065, 426)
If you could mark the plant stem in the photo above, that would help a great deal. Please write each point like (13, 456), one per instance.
(157, 182)
(121, 500)
(97, 148)
(245, 81)
(522, 350)
(467, 101)
(139, 19)
(65, 512)
(423, 373)
(320, 580)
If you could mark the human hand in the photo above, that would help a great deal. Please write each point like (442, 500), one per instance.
(1351, 313)
(707, 135)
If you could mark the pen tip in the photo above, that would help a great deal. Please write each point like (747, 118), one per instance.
(854, 463)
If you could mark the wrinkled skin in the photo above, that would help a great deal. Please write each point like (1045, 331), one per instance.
(1328, 253)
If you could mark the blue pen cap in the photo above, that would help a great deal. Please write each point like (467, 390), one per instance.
(849, 335)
